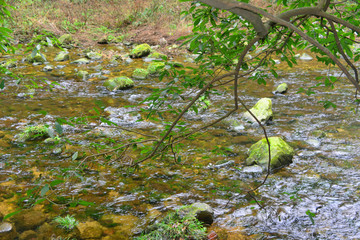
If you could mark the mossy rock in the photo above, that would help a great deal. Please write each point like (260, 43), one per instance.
(140, 73)
(11, 63)
(122, 83)
(33, 133)
(281, 153)
(141, 50)
(155, 68)
(83, 74)
(62, 56)
(94, 55)
(65, 39)
(282, 88)
(157, 55)
(262, 111)
(37, 58)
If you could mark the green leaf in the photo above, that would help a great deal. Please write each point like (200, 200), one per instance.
(2, 84)
(74, 156)
(58, 128)
(56, 182)
(11, 214)
(44, 190)
(311, 216)
(85, 203)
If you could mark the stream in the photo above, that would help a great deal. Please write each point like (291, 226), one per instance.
(323, 180)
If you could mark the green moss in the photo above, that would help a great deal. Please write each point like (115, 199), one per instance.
(118, 83)
(141, 50)
(281, 153)
(38, 58)
(140, 73)
(33, 133)
(155, 68)
(262, 111)
(282, 88)
(157, 55)
(173, 226)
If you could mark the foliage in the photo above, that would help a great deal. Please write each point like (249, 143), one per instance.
(68, 222)
(34, 132)
(175, 227)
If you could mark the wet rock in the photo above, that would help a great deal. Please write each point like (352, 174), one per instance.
(47, 68)
(119, 83)
(140, 73)
(281, 153)
(222, 164)
(37, 58)
(83, 74)
(29, 219)
(202, 211)
(90, 230)
(7, 231)
(103, 40)
(11, 63)
(62, 56)
(306, 57)
(81, 61)
(282, 88)
(48, 231)
(57, 151)
(28, 235)
(141, 50)
(93, 55)
(156, 68)
(262, 111)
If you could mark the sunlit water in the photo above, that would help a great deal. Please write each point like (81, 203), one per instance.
(323, 179)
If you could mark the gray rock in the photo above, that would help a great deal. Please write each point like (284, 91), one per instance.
(37, 58)
(313, 142)
(93, 55)
(83, 75)
(48, 68)
(7, 231)
(253, 169)
(306, 57)
(81, 61)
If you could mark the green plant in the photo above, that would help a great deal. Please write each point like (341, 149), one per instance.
(34, 132)
(68, 222)
(176, 227)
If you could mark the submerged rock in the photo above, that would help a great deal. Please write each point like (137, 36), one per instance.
(29, 219)
(281, 153)
(90, 230)
(141, 50)
(7, 231)
(140, 73)
(113, 84)
(262, 111)
(282, 88)
(62, 56)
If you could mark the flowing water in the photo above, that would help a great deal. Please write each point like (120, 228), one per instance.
(324, 178)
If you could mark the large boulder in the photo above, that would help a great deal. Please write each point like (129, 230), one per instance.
(262, 111)
(141, 50)
(281, 153)
(113, 84)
